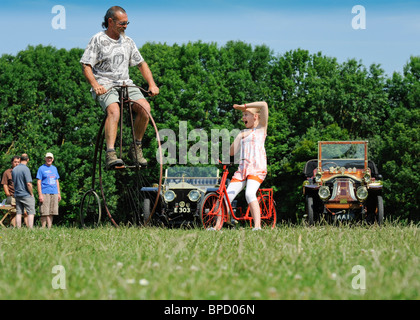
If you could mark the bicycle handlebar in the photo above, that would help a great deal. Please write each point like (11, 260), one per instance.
(225, 164)
(132, 86)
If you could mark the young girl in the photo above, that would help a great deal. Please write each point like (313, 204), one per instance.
(253, 161)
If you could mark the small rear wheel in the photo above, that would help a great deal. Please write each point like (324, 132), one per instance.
(90, 209)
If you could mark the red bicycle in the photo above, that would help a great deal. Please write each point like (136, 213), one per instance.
(216, 209)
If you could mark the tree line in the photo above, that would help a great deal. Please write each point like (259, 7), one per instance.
(46, 106)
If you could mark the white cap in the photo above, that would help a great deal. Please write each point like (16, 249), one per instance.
(49, 155)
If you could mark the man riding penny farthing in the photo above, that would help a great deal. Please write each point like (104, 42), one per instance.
(106, 63)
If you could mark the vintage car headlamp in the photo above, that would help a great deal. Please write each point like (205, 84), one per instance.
(194, 195)
(324, 192)
(362, 193)
(169, 196)
(318, 177)
(367, 177)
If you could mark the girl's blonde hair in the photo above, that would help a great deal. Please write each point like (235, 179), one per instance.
(254, 110)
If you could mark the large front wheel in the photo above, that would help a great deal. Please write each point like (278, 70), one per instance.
(211, 214)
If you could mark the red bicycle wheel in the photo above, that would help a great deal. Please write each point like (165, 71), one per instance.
(210, 214)
(268, 217)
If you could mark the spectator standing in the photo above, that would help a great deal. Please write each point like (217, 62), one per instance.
(25, 200)
(9, 190)
(48, 190)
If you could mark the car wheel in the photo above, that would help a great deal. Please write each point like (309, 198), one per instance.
(375, 210)
(146, 211)
(379, 211)
(310, 210)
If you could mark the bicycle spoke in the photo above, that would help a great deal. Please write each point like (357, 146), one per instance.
(268, 217)
(211, 214)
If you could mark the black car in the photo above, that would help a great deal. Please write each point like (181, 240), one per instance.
(183, 189)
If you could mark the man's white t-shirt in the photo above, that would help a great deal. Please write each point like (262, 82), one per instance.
(111, 58)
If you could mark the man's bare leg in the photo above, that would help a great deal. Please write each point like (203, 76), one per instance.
(140, 125)
(142, 119)
(111, 128)
(111, 124)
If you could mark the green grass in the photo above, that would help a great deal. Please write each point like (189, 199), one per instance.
(290, 262)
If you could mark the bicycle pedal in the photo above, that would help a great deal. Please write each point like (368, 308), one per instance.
(134, 166)
(115, 167)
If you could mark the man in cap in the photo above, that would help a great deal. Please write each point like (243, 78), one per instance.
(48, 190)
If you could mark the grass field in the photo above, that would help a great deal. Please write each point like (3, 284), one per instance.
(290, 262)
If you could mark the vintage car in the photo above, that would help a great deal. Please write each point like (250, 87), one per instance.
(182, 190)
(343, 184)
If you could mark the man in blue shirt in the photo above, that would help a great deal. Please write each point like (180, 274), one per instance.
(48, 190)
(22, 181)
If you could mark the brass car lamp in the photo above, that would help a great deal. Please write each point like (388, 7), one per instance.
(169, 196)
(324, 193)
(362, 193)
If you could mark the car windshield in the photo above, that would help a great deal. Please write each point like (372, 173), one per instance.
(192, 175)
(192, 172)
(341, 154)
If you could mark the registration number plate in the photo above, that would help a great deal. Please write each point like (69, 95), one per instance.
(344, 216)
(182, 210)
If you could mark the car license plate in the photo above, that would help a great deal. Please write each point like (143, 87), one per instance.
(344, 216)
(182, 210)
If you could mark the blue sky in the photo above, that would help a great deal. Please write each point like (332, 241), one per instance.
(391, 36)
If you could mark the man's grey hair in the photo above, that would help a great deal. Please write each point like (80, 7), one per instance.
(111, 14)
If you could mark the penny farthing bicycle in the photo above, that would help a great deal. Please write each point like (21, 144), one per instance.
(119, 196)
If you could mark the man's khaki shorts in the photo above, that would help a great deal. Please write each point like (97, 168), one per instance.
(113, 95)
(50, 205)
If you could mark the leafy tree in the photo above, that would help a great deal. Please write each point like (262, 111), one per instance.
(399, 147)
(46, 106)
